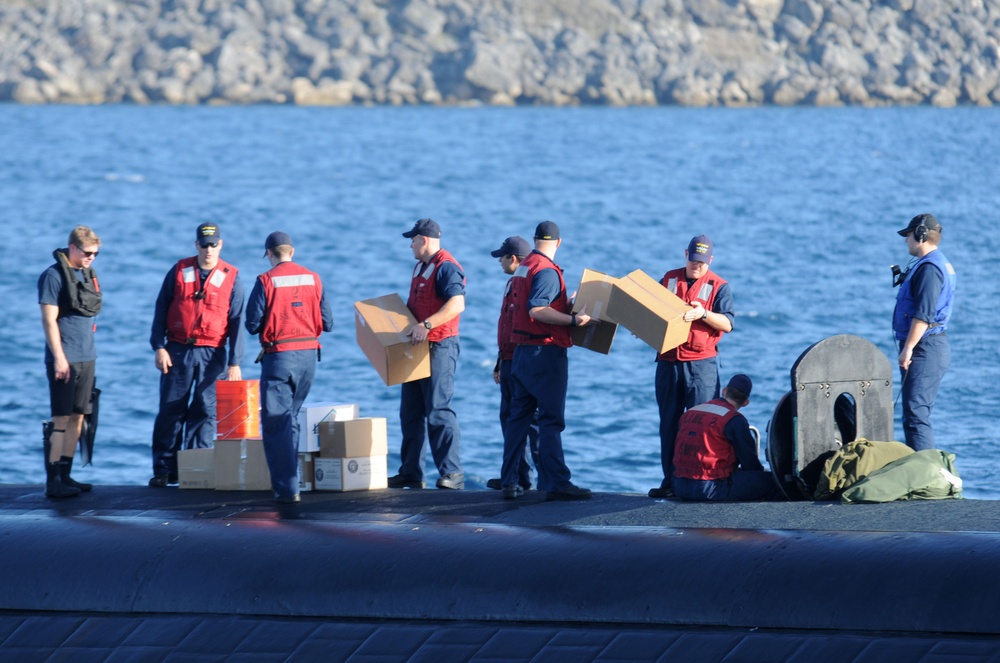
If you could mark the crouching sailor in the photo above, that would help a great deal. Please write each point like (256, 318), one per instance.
(715, 454)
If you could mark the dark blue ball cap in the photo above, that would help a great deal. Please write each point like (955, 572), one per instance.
(277, 238)
(513, 246)
(425, 228)
(208, 233)
(928, 221)
(700, 249)
(547, 230)
(741, 383)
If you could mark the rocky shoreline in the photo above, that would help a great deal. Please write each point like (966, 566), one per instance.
(501, 52)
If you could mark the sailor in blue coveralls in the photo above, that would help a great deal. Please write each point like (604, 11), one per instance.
(288, 308)
(689, 374)
(540, 371)
(198, 312)
(920, 322)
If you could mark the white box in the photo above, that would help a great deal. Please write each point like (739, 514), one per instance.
(312, 414)
(307, 470)
(343, 474)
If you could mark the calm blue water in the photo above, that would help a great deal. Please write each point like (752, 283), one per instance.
(802, 204)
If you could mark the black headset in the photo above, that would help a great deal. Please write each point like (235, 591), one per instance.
(920, 233)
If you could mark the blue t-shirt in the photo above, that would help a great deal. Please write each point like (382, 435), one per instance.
(450, 281)
(75, 331)
(927, 285)
(544, 288)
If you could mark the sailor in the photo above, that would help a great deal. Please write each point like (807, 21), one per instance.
(69, 295)
(510, 254)
(437, 298)
(540, 370)
(198, 313)
(689, 374)
(920, 324)
(289, 310)
(715, 455)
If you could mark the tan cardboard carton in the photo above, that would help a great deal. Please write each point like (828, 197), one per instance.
(647, 309)
(196, 469)
(312, 414)
(380, 325)
(307, 470)
(595, 293)
(343, 474)
(353, 438)
(241, 465)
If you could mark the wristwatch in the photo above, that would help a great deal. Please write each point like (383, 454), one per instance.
(427, 324)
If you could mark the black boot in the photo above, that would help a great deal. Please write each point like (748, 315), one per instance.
(54, 487)
(65, 467)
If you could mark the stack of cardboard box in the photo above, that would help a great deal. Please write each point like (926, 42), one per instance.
(232, 464)
(352, 455)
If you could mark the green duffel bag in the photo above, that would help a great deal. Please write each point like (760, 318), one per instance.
(853, 462)
(925, 475)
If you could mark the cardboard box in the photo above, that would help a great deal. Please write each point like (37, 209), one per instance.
(343, 474)
(381, 325)
(647, 309)
(595, 293)
(241, 465)
(196, 469)
(307, 471)
(312, 414)
(350, 439)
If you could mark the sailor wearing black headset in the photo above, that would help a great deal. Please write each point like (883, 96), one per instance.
(920, 322)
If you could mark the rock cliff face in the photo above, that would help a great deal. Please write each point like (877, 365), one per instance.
(555, 52)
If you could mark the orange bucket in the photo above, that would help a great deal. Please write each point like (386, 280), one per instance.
(237, 409)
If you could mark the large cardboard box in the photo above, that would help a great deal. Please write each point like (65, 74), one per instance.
(381, 325)
(241, 465)
(312, 414)
(196, 469)
(307, 470)
(595, 293)
(343, 474)
(647, 309)
(353, 438)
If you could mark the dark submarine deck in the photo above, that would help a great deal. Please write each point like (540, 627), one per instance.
(130, 573)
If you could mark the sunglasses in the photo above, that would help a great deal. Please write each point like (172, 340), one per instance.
(87, 254)
(209, 244)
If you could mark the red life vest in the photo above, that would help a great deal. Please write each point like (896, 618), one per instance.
(199, 312)
(527, 330)
(702, 339)
(293, 319)
(505, 326)
(701, 450)
(424, 300)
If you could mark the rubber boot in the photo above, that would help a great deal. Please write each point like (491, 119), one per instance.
(65, 467)
(54, 487)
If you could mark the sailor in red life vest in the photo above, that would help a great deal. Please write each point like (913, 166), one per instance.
(198, 312)
(542, 318)
(289, 310)
(689, 374)
(511, 253)
(715, 457)
(437, 298)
